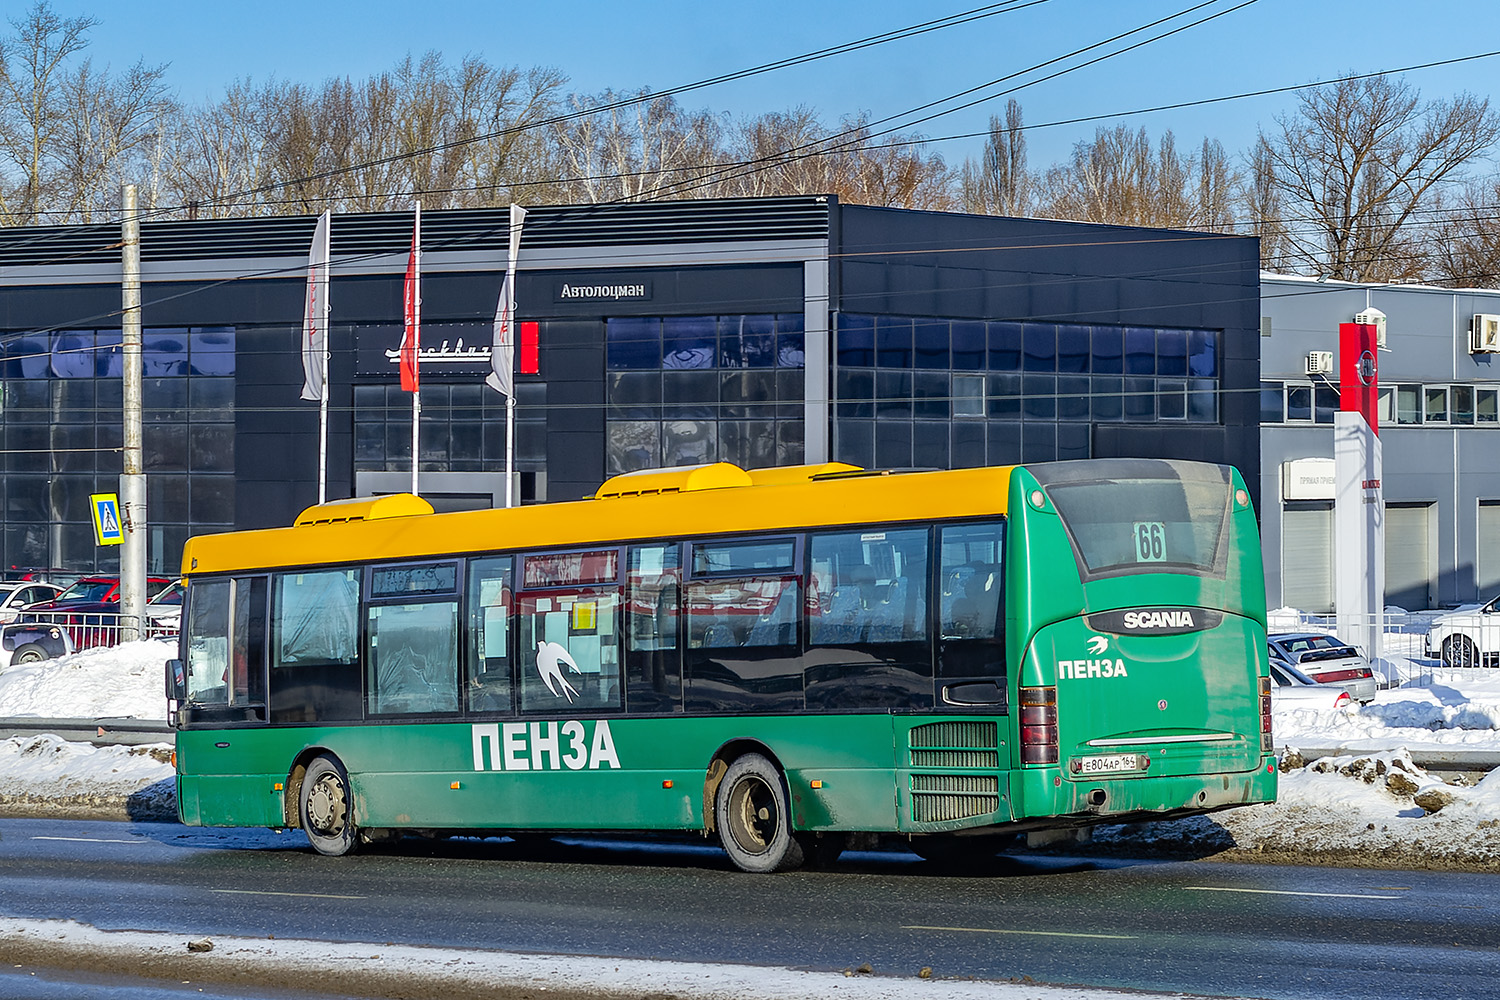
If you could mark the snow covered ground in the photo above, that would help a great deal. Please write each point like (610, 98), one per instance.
(1371, 805)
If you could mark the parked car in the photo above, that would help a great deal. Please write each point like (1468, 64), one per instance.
(90, 609)
(1327, 660)
(1467, 636)
(1290, 687)
(14, 596)
(22, 642)
(164, 611)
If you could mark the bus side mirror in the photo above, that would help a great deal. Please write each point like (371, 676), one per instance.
(176, 681)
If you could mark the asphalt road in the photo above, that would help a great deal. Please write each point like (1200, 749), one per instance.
(1201, 926)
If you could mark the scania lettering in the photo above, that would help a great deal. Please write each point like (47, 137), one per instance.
(785, 660)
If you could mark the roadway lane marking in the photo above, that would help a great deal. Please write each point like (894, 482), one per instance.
(1289, 892)
(91, 840)
(1002, 930)
(308, 895)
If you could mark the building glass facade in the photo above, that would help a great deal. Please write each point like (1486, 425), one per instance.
(61, 419)
(685, 390)
(922, 391)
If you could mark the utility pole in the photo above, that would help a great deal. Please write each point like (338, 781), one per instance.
(133, 479)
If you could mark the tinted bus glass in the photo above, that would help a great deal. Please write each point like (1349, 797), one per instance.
(1147, 517)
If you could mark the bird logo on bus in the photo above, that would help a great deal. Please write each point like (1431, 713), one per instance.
(1098, 644)
(551, 657)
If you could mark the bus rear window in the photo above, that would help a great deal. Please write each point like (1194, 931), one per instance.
(1148, 516)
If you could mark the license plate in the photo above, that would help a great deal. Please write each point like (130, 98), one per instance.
(1107, 763)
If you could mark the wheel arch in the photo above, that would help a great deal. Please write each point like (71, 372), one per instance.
(719, 763)
(291, 808)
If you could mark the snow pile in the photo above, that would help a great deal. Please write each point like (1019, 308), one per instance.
(124, 681)
(40, 773)
(1374, 809)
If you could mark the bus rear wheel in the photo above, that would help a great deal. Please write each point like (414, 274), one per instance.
(1458, 651)
(751, 810)
(326, 807)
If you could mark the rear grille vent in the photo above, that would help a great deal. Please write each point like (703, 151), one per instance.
(955, 744)
(939, 797)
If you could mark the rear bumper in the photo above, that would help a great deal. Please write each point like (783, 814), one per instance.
(1049, 791)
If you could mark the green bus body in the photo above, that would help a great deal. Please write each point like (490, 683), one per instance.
(1168, 723)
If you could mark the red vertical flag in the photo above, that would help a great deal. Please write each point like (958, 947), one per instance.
(411, 339)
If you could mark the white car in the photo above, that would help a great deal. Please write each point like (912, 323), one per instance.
(1327, 660)
(16, 595)
(1468, 636)
(1291, 688)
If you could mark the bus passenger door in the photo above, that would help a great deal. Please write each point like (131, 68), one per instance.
(971, 616)
(653, 653)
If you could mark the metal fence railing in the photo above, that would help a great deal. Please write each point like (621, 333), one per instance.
(1395, 641)
(92, 629)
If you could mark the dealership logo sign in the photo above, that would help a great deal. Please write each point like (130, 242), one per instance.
(458, 354)
(570, 291)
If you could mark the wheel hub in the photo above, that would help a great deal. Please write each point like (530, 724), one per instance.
(325, 806)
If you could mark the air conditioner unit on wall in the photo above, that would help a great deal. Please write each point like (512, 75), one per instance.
(1484, 334)
(1320, 362)
(1375, 318)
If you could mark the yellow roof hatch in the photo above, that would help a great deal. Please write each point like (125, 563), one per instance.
(684, 479)
(364, 509)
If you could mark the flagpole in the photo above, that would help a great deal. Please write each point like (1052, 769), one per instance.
(510, 447)
(323, 397)
(416, 395)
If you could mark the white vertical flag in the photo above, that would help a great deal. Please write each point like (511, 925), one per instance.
(315, 316)
(503, 351)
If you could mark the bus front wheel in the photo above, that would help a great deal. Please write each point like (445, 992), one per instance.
(754, 821)
(326, 807)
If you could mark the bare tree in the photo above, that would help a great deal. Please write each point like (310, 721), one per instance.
(33, 107)
(637, 152)
(1465, 240)
(1000, 184)
(1357, 164)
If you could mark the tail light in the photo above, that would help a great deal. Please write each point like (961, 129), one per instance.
(1039, 725)
(1266, 742)
(1342, 701)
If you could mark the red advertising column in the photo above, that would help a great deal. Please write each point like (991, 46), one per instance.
(1359, 506)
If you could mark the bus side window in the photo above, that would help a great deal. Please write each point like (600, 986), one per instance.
(315, 675)
(490, 608)
(653, 661)
(568, 631)
(413, 659)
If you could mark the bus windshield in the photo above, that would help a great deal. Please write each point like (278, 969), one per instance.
(1144, 516)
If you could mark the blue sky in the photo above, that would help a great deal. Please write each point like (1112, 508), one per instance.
(661, 44)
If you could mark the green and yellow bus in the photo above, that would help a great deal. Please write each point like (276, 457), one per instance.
(785, 658)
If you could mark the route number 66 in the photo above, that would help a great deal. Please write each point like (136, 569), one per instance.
(1150, 541)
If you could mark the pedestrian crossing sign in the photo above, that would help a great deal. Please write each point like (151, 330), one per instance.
(107, 527)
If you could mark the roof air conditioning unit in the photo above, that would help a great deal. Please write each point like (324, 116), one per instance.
(1375, 318)
(1320, 362)
(1484, 335)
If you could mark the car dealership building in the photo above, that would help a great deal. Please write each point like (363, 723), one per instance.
(758, 331)
(1439, 433)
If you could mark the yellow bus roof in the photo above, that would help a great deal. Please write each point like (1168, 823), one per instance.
(402, 526)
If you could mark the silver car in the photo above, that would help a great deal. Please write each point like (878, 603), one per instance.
(1327, 660)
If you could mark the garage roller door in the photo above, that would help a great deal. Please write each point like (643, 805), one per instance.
(1487, 572)
(1307, 559)
(1408, 560)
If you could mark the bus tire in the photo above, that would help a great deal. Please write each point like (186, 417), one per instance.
(752, 814)
(1458, 651)
(327, 809)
